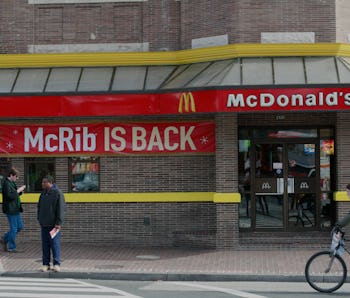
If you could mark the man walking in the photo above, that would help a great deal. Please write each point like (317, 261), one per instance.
(11, 206)
(51, 209)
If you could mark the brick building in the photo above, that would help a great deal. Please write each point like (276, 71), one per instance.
(179, 123)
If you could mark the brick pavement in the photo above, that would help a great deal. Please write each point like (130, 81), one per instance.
(95, 261)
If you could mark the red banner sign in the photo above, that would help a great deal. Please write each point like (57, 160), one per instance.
(107, 138)
(177, 103)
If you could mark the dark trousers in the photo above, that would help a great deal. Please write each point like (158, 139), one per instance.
(49, 245)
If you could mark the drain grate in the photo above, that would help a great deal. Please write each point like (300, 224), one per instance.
(111, 266)
(148, 257)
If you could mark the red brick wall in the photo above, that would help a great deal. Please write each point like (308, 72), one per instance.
(174, 224)
(130, 224)
(170, 224)
(343, 161)
(166, 25)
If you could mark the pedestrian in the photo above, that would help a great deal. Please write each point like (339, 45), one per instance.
(12, 207)
(51, 209)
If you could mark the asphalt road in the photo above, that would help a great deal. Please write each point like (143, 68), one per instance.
(74, 288)
(163, 289)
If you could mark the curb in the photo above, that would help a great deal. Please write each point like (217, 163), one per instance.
(156, 276)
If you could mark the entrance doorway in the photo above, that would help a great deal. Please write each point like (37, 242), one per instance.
(284, 191)
(286, 188)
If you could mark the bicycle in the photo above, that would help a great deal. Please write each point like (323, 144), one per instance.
(326, 271)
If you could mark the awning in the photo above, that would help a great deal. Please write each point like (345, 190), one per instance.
(265, 71)
(223, 79)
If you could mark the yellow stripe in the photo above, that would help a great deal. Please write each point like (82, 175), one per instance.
(174, 57)
(341, 196)
(141, 197)
(227, 198)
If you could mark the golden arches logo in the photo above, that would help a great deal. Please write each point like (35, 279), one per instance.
(187, 103)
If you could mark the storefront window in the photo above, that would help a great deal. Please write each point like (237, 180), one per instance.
(326, 160)
(35, 170)
(244, 180)
(85, 174)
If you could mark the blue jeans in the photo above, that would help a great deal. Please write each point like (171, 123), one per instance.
(49, 244)
(16, 225)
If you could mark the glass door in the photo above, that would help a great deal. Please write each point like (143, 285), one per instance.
(302, 195)
(284, 194)
(268, 198)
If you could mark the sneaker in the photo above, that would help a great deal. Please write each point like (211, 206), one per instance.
(45, 268)
(14, 251)
(56, 268)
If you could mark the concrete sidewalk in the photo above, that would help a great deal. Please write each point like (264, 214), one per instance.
(112, 262)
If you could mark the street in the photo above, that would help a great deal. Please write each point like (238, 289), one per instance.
(163, 289)
(74, 288)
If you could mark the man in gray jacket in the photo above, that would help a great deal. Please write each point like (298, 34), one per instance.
(51, 208)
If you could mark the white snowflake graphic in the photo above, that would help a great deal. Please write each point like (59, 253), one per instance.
(9, 145)
(204, 140)
(15, 132)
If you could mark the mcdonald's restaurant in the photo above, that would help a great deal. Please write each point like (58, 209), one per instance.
(208, 148)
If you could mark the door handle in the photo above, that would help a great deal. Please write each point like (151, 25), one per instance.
(290, 185)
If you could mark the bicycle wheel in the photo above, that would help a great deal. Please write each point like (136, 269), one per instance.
(325, 272)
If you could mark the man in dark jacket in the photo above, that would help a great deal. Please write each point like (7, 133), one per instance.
(51, 208)
(11, 206)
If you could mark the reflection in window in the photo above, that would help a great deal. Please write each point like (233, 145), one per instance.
(244, 183)
(285, 133)
(326, 164)
(85, 174)
(36, 169)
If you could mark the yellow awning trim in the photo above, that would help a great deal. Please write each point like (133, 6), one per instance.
(141, 197)
(341, 196)
(172, 57)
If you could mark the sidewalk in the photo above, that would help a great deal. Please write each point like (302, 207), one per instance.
(111, 262)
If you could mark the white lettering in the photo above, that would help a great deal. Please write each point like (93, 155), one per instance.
(48, 145)
(320, 99)
(167, 144)
(266, 100)
(155, 140)
(186, 138)
(347, 99)
(114, 135)
(295, 98)
(332, 99)
(138, 138)
(36, 141)
(88, 138)
(310, 100)
(77, 139)
(107, 142)
(251, 101)
(234, 101)
(282, 100)
(65, 139)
